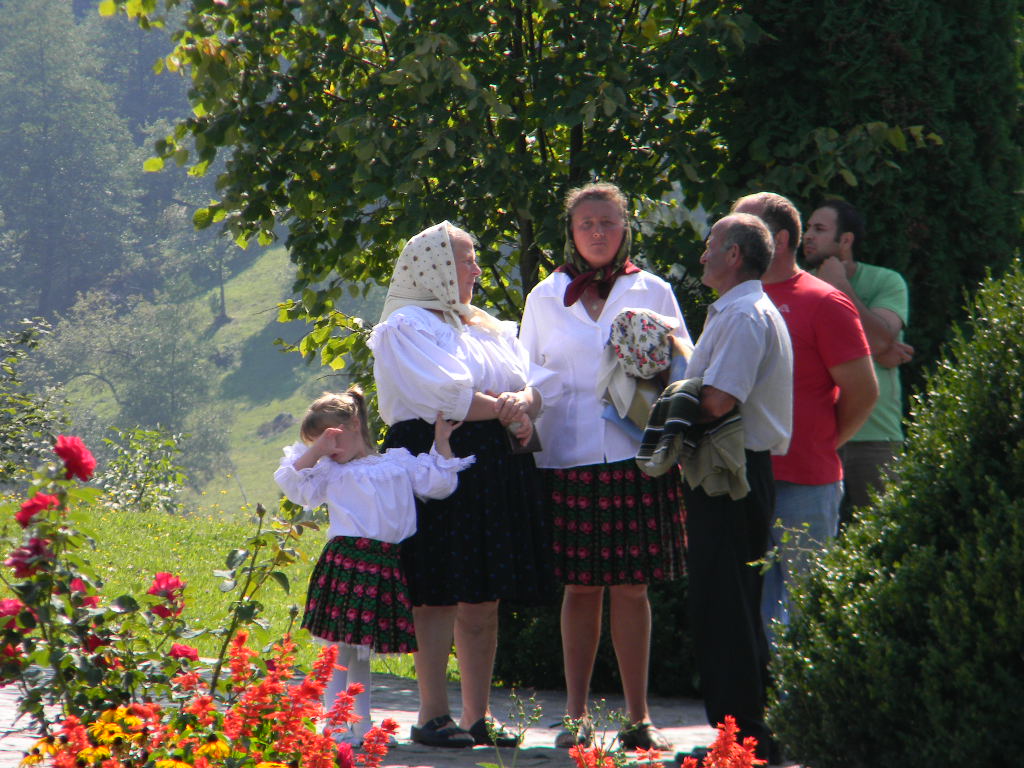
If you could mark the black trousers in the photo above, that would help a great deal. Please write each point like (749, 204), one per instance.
(725, 598)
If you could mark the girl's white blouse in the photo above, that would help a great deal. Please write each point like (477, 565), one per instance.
(567, 341)
(372, 497)
(422, 365)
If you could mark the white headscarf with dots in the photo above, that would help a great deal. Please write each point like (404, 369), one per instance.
(425, 277)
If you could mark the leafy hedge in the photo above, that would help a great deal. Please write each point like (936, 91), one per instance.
(906, 645)
(818, 100)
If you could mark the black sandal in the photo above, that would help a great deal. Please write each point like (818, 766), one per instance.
(441, 732)
(490, 732)
(643, 736)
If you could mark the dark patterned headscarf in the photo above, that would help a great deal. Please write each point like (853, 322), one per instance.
(581, 274)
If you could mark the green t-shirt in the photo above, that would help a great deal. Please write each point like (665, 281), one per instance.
(881, 288)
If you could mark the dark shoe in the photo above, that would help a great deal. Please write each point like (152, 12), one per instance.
(441, 732)
(643, 736)
(494, 736)
(697, 753)
(575, 733)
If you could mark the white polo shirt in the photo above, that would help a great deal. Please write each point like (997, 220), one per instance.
(745, 351)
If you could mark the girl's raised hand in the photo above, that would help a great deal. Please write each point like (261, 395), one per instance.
(442, 432)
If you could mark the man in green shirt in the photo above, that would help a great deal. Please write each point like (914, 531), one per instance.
(832, 246)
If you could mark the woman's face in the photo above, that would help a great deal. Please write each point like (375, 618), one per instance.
(597, 230)
(466, 269)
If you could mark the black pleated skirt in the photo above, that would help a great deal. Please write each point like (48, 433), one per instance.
(489, 540)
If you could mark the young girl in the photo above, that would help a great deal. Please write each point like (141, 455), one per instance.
(357, 595)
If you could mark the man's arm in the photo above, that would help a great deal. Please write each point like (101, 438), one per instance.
(881, 326)
(714, 403)
(858, 391)
(898, 354)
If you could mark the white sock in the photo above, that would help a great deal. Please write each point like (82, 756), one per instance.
(358, 671)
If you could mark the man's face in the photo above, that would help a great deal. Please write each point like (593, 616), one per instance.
(717, 261)
(821, 240)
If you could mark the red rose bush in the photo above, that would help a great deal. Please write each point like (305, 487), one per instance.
(89, 669)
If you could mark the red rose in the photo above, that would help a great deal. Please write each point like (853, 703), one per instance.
(10, 606)
(76, 456)
(169, 587)
(26, 560)
(34, 506)
(180, 651)
(79, 586)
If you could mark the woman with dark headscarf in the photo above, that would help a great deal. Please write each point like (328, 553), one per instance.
(489, 541)
(615, 528)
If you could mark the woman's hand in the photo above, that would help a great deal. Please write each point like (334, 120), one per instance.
(510, 407)
(522, 429)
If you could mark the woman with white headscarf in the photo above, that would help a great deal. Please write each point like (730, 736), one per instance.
(488, 541)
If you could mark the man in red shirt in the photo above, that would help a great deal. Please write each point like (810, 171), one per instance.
(834, 389)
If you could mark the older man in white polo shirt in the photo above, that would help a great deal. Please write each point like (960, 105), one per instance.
(746, 361)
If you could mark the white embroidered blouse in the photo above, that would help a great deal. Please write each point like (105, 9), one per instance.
(372, 497)
(422, 365)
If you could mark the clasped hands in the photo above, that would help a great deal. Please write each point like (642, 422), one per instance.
(511, 410)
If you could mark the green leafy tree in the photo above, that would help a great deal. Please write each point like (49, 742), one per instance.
(145, 366)
(905, 645)
(66, 160)
(355, 124)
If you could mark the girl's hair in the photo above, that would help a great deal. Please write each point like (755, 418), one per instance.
(333, 409)
(601, 190)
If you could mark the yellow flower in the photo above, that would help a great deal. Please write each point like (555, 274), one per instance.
(31, 758)
(105, 733)
(95, 754)
(46, 745)
(271, 765)
(172, 762)
(214, 749)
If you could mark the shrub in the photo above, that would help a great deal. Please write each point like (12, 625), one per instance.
(28, 421)
(905, 646)
(143, 472)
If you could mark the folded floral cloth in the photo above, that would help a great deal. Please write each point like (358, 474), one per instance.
(640, 346)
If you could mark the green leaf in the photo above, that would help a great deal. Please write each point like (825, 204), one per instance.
(124, 604)
(282, 580)
(107, 8)
(201, 218)
(236, 557)
(153, 164)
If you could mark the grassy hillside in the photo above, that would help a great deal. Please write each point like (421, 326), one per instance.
(263, 382)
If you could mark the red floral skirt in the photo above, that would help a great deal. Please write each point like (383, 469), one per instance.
(613, 524)
(357, 595)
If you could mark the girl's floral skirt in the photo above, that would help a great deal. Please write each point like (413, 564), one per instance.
(357, 595)
(612, 524)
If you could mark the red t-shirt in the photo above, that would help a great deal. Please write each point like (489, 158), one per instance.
(825, 331)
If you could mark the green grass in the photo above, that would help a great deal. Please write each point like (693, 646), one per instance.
(132, 546)
(265, 381)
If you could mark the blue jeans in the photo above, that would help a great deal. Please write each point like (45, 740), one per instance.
(806, 517)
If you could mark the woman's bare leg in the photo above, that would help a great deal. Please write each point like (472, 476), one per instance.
(581, 633)
(434, 630)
